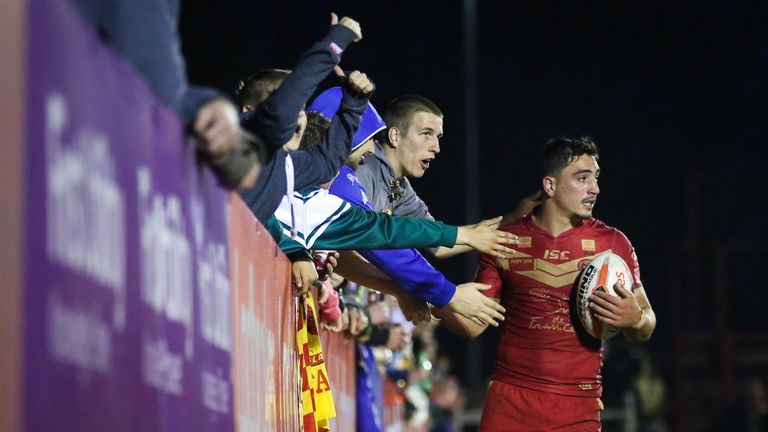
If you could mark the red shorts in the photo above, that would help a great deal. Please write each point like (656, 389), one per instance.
(510, 408)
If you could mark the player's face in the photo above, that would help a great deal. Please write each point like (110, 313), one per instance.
(576, 188)
(419, 146)
(357, 157)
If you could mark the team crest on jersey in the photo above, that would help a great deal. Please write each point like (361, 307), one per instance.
(588, 246)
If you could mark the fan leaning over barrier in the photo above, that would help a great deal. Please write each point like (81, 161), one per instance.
(326, 221)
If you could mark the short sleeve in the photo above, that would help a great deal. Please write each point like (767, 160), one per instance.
(623, 248)
(488, 273)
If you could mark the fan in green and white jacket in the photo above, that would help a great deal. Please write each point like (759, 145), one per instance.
(325, 221)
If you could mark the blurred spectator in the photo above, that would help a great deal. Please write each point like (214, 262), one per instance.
(254, 90)
(145, 32)
(651, 394)
(330, 312)
(749, 411)
(446, 403)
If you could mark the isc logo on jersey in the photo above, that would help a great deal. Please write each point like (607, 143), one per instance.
(601, 274)
(555, 254)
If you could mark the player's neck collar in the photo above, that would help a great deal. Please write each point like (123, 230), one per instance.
(535, 222)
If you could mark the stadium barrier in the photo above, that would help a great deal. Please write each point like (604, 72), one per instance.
(144, 296)
(264, 317)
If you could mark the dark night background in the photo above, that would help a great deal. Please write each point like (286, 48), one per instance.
(674, 95)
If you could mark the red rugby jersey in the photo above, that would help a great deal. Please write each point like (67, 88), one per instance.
(543, 346)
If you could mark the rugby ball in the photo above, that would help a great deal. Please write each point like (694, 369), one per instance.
(601, 274)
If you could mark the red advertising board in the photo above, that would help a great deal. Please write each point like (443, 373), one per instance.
(264, 321)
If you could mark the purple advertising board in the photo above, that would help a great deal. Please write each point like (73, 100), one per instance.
(126, 281)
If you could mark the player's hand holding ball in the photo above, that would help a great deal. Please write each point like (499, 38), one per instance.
(620, 311)
(605, 303)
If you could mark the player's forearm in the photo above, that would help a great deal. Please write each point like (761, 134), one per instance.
(644, 328)
(458, 324)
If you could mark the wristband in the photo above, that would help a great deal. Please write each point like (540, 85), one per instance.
(642, 321)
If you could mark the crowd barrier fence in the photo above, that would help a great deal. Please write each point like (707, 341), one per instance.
(138, 294)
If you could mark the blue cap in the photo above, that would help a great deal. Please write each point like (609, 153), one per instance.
(328, 102)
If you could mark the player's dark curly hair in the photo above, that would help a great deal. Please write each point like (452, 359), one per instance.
(255, 89)
(558, 152)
